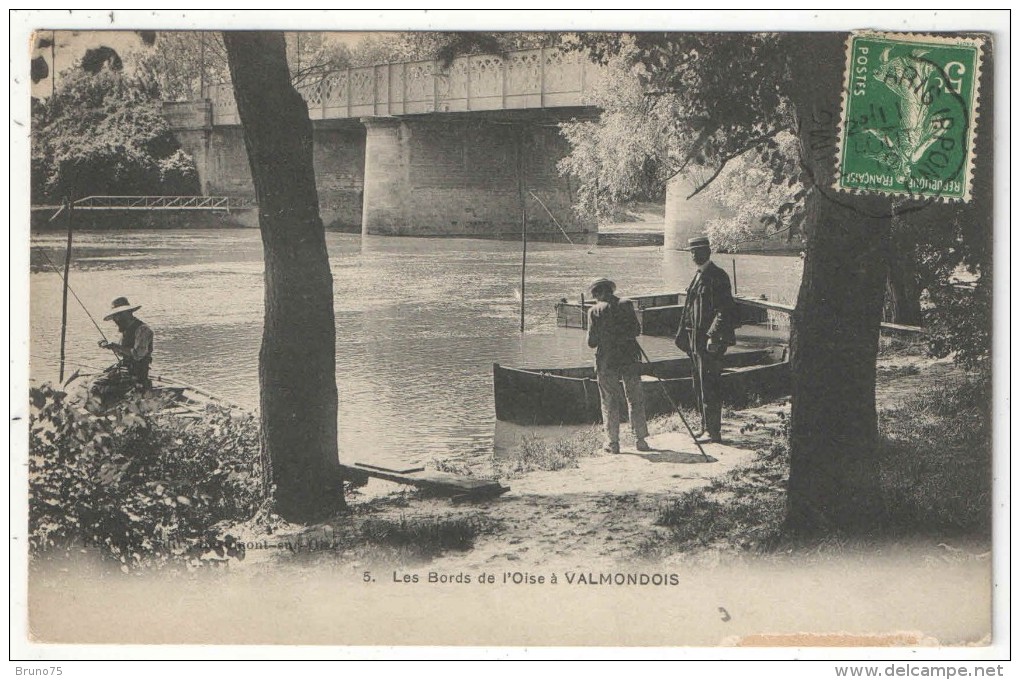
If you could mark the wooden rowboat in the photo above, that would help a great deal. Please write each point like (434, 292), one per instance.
(561, 396)
(166, 395)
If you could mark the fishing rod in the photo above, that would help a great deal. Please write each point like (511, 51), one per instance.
(57, 271)
(676, 408)
(73, 362)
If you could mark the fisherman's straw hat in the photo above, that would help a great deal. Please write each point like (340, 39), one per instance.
(697, 242)
(600, 282)
(121, 305)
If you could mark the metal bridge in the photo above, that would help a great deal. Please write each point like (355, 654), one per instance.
(524, 79)
(210, 203)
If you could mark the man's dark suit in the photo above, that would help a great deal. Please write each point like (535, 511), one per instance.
(709, 313)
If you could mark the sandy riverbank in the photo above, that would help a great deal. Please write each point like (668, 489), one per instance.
(600, 513)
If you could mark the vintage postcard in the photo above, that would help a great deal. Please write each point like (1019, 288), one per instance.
(510, 333)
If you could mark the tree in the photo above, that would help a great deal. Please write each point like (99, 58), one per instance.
(835, 328)
(955, 242)
(297, 360)
(312, 56)
(629, 153)
(792, 83)
(180, 62)
(104, 134)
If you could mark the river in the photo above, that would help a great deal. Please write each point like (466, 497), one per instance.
(419, 321)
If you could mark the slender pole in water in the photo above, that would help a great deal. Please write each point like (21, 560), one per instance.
(524, 217)
(734, 261)
(67, 269)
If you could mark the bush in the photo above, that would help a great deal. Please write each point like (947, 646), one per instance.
(105, 134)
(959, 322)
(143, 488)
(178, 175)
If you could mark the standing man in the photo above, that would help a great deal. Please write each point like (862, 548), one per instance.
(613, 328)
(706, 330)
(135, 347)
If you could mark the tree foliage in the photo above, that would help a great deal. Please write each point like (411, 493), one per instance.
(628, 153)
(671, 107)
(312, 56)
(952, 249)
(754, 205)
(104, 134)
(445, 46)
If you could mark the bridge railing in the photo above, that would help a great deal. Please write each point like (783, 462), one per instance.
(211, 203)
(524, 79)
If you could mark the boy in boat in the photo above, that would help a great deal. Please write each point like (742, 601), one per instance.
(613, 328)
(134, 354)
(706, 330)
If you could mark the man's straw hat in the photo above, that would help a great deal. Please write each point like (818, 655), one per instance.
(697, 242)
(120, 305)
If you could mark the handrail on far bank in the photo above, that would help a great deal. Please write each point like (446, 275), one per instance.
(211, 203)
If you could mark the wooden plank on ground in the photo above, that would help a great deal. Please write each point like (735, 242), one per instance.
(393, 467)
(437, 482)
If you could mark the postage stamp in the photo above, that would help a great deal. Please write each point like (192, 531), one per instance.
(910, 109)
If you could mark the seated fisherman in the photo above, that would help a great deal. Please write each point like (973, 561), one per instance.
(134, 353)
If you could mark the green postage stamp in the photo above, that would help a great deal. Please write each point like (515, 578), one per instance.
(909, 115)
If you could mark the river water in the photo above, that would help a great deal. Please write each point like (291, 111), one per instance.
(419, 321)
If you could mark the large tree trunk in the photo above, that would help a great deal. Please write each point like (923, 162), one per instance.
(297, 361)
(834, 343)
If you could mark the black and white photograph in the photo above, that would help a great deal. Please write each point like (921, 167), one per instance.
(590, 330)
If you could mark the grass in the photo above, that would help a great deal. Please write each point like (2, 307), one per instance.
(535, 453)
(744, 509)
(934, 471)
(894, 372)
(363, 536)
(452, 467)
(936, 458)
(423, 537)
(671, 422)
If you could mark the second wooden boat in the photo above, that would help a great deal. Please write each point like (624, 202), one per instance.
(561, 396)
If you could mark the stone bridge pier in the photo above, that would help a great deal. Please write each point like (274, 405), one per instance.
(465, 175)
